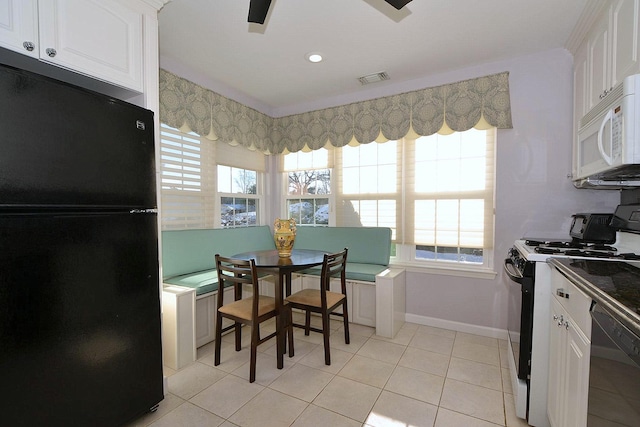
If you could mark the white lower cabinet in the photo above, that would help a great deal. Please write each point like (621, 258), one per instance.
(362, 303)
(569, 351)
(205, 318)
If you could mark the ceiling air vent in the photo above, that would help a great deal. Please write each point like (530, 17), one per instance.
(373, 78)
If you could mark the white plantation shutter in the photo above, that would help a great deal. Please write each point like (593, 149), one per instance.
(321, 158)
(187, 174)
(240, 157)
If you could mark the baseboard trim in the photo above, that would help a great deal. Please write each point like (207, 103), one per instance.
(457, 326)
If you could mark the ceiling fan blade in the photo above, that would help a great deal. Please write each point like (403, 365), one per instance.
(258, 10)
(398, 4)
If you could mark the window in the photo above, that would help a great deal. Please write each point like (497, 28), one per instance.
(435, 193)
(368, 176)
(207, 184)
(238, 189)
(308, 181)
(452, 197)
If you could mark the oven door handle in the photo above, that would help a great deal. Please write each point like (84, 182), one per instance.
(512, 271)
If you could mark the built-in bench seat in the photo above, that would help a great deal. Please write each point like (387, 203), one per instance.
(188, 256)
(369, 248)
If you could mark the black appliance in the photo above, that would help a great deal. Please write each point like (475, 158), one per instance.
(520, 310)
(614, 371)
(593, 228)
(80, 340)
(627, 217)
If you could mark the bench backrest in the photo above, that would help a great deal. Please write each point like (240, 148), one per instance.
(367, 245)
(189, 251)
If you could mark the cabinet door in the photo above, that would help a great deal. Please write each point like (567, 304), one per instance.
(580, 100)
(625, 43)
(577, 352)
(362, 303)
(97, 38)
(580, 87)
(19, 25)
(557, 357)
(598, 60)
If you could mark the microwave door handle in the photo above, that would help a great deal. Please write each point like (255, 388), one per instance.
(607, 119)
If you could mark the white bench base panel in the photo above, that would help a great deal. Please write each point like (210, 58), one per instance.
(380, 304)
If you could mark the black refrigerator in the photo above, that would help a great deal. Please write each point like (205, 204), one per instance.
(80, 340)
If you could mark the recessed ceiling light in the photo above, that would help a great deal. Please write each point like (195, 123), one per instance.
(314, 57)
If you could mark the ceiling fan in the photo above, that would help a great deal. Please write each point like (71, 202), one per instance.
(258, 9)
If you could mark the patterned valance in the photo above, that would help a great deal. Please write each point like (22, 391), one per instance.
(483, 101)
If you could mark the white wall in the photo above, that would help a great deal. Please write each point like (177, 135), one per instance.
(534, 197)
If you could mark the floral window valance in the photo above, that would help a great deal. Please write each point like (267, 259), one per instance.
(480, 102)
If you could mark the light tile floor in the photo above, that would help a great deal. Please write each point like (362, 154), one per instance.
(425, 376)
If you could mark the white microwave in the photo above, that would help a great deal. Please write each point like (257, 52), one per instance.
(608, 145)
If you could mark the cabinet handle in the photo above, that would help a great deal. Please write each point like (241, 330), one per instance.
(51, 52)
(29, 46)
(605, 93)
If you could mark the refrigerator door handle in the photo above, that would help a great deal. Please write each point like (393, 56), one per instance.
(143, 211)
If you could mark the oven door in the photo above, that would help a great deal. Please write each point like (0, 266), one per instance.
(520, 318)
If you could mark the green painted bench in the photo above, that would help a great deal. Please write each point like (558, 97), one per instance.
(188, 256)
(369, 248)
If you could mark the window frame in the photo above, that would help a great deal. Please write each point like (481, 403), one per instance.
(258, 197)
(313, 165)
(404, 254)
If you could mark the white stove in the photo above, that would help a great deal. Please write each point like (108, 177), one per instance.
(625, 248)
(527, 266)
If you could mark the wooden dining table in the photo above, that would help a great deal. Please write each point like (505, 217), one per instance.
(281, 268)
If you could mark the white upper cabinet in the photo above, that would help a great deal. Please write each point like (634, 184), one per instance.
(625, 42)
(97, 38)
(613, 47)
(598, 61)
(580, 91)
(19, 26)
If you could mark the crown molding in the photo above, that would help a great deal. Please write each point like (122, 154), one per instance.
(157, 4)
(590, 14)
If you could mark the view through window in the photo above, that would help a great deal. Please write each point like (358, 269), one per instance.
(238, 189)
(308, 181)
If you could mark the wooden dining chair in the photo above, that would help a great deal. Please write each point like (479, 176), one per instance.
(324, 301)
(250, 311)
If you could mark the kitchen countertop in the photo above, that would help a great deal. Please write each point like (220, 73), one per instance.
(613, 284)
